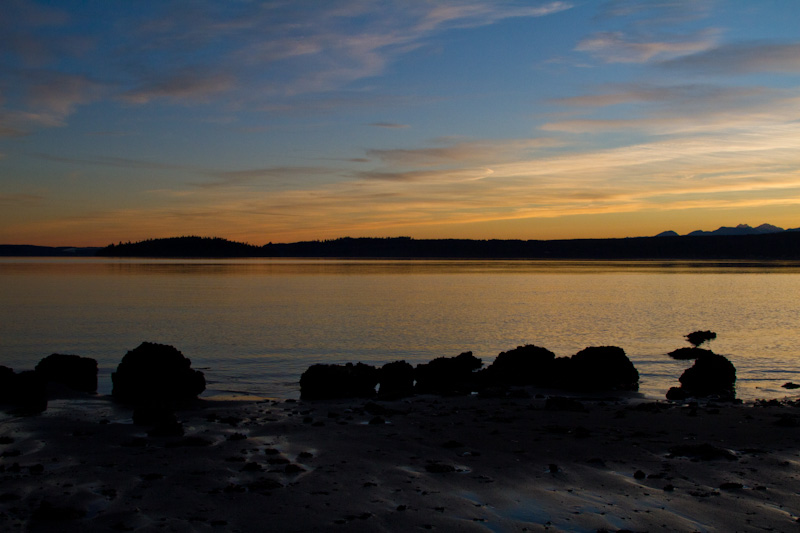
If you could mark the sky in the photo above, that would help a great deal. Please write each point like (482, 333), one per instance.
(290, 120)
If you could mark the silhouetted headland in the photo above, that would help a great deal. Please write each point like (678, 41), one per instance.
(770, 246)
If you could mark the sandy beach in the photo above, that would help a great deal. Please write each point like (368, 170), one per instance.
(523, 463)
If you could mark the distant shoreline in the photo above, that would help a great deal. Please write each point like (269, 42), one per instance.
(773, 246)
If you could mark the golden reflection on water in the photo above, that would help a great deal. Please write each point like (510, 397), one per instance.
(259, 323)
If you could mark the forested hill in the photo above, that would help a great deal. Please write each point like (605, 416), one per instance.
(183, 247)
(776, 246)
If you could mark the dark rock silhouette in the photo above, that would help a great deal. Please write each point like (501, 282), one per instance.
(28, 393)
(448, 375)
(677, 394)
(7, 383)
(396, 380)
(711, 374)
(601, 368)
(76, 372)
(524, 365)
(153, 373)
(688, 353)
(696, 338)
(324, 382)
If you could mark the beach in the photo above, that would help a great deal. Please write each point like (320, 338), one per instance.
(518, 462)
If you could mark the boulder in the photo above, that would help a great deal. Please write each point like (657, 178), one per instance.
(76, 372)
(600, 368)
(396, 380)
(711, 375)
(156, 373)
(447, 375)
(7, 383)
(688, 353)
(696, 338)
(524, 365)
(28, 393)
(324, 382)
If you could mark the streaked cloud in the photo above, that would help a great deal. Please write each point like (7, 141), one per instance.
(188, 86)
(695, 94)
(741, 109)
(742, 58)
(389, 125)
(20, 199)
(616, 47)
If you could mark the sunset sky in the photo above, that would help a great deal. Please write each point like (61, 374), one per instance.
(281, 121)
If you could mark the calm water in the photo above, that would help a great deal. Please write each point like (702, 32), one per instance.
(253, 326)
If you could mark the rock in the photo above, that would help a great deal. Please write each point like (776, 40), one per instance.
(696, 338)
(447, 375)
(790, 385)
(25, 392)
(702, 452)
(156, 373)
(524, 365)
(688, 353)
(676, 394)
(324, 382)
(601, 368)
(396, 380)
(439, 468)
(711, 374)
(7, 384)
(76, 372)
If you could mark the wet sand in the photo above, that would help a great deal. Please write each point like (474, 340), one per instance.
(424, 463)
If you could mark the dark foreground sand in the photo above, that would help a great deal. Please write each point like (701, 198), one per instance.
(426, 463)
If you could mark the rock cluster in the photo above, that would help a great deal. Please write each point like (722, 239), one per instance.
(27, 391)
(710, 375)
(592, 369)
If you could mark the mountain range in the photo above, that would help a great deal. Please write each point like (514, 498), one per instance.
(741, 229)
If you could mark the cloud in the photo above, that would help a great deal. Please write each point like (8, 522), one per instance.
(473, 14)
(461, 152)
(187, 86)
(110, 161)
(21, 199)
(688, 109)
(58, 93)
(692, 94)
(741, 58)
(273, 175)
(389, 125)
(656, 11)
(50, 98)
(615, 47)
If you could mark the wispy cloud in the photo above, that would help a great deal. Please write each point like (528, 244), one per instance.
(20, 199)
(50, 97)
(257, 55)
(703, 95)
(111, 161)
(187, 86)
(284, 176)
(462, 152)
(616, 47)
(734, 109)
(389, 125)
(741, 58)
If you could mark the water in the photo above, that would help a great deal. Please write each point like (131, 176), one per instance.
(254, 325)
